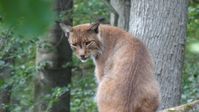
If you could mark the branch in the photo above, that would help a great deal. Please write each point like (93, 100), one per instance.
(112, 9)
(189, 107)
(194, 1)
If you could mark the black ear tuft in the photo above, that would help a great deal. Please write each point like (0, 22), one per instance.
(94, 27)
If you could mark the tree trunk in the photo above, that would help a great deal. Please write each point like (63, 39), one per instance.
(5, 94)
(161, 25)
(5, 74)
(5, 98)
(53, 54)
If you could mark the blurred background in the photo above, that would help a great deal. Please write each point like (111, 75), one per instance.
(22, 25)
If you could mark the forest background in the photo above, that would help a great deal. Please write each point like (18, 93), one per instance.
(19, 38)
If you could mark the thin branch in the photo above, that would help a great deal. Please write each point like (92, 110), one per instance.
(194, 1)
(116, 15)
(189, 107)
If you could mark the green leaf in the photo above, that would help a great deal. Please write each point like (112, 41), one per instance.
(27, 17)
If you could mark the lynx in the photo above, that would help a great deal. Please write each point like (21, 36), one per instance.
(124, 68)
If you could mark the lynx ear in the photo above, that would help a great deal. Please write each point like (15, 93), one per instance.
(94, 27)
(66, 28)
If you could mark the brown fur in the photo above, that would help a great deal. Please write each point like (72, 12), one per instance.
(124, 69)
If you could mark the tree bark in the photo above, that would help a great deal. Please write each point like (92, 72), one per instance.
(53, 54)
(161, 25)
(5, 94)
(5, 99)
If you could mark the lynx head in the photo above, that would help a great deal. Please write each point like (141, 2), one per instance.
(83, 39)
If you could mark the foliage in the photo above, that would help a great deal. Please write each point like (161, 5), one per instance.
(191, 64)
(88, 12)
(18, 56)
(193, 21)
(83, 88)
(28, 17)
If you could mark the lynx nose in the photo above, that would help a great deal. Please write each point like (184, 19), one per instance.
(82, 56)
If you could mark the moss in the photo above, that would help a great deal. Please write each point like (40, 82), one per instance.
(188, 107)
(172, 110)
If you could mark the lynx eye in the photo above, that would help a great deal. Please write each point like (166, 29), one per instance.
(74, 44)
(87, 43)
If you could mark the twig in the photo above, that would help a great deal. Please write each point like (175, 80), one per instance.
(189, 107)
(116, 15)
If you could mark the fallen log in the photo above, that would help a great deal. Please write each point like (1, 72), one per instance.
(189, 107)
